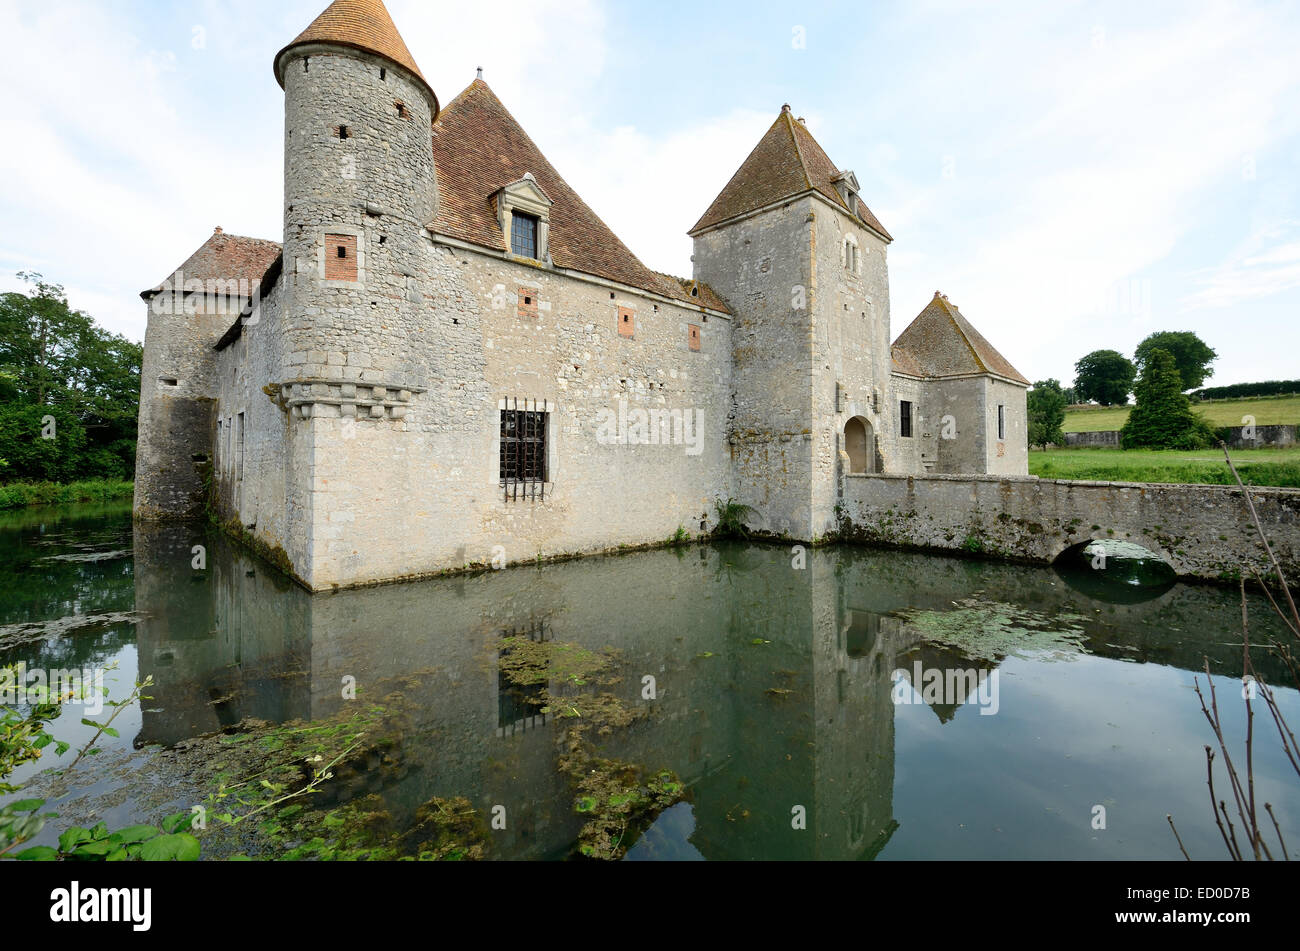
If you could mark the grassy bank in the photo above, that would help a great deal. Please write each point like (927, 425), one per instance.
(1267, 410)
(1279, 467)
(18, 495)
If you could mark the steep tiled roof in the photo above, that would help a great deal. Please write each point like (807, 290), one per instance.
(941, 342)
(225, 257)
(787, 161)
(363, 25)
(479, 148)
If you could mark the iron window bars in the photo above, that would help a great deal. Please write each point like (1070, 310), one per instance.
(523, 452)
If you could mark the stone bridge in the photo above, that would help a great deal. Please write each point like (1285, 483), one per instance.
(1203, 531)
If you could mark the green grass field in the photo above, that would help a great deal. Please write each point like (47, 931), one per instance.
(1267, 410)
(1257, 466)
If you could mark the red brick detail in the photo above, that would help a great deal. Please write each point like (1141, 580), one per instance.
(695, 337)
(527, 303)
(340, 257)
(626, 322)
(402, 111)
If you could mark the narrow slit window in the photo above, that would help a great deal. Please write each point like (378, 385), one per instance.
(905, 419)
(343, 132)
(1002, 422)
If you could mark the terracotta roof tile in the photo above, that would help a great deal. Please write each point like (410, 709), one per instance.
(226, 257)
(363, 25)
(941, 342)
(699, 292)
(479, 148)
(786, 162)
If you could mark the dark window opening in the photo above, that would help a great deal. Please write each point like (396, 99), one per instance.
(170, 381)
(343, 132)
(383, 74)
(343, 252)
(523, 235)
(402, 111)
(905, 421)
(523, 453)
(1002, 422)
(306, 64)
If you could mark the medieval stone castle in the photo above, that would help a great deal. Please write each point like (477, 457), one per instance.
(451, 360)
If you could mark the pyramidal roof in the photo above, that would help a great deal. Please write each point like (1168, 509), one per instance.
(940, 342)
(223, 257)
(363, 25)
(479, 148)
(786, 162)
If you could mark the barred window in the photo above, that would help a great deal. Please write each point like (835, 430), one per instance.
(523, 451)
(523, 235)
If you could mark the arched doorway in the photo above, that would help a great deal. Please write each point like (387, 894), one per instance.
(859, 444)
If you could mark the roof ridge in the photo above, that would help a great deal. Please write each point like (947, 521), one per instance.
(798, 150)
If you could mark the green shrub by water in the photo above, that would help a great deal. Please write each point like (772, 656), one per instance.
(21, 494)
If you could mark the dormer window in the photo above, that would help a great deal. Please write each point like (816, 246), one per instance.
(524, 212)
(846, 183)
(523, 235)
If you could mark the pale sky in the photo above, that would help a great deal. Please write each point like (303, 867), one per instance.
(1073, 175)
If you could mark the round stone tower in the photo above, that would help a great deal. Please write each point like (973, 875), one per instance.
(359, 188)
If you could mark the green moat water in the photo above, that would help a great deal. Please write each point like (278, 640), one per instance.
(752, 705)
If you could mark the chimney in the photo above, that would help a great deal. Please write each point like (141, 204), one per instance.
(480, 72)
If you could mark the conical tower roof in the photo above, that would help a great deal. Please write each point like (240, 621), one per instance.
(363, 25)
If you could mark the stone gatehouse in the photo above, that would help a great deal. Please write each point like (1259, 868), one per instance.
(451, 360)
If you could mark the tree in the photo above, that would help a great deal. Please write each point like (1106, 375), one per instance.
(1192, 356)
(69, 391)
(1163, 417)
(1104, 376)
(1046, 403)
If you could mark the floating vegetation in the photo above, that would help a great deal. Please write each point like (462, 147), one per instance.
(615, 798)
(992, 630)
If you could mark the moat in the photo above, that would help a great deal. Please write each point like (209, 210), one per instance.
(750, 688)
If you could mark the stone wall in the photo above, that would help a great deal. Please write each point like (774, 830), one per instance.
(178, 389)
(1108, 438)
(763, 267)
(1259, 437)
(1203, 531)
(849, 312)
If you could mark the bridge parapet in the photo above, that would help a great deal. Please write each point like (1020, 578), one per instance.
(1203, 531)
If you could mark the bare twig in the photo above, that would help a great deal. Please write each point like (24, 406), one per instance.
(1178, 837)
